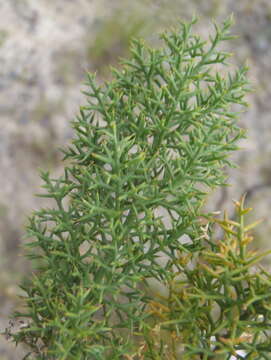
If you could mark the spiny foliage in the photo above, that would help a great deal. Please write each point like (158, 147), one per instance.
(150, 142)
(218, 303)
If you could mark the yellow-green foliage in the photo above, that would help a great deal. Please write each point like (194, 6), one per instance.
(219, 299)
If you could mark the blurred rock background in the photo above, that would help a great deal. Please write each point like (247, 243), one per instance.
(46, 46)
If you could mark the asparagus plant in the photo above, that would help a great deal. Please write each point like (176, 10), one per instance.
(149, 146)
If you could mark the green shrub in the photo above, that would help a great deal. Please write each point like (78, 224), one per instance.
(149, 146)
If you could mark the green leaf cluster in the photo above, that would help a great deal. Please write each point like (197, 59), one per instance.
(148, 147)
